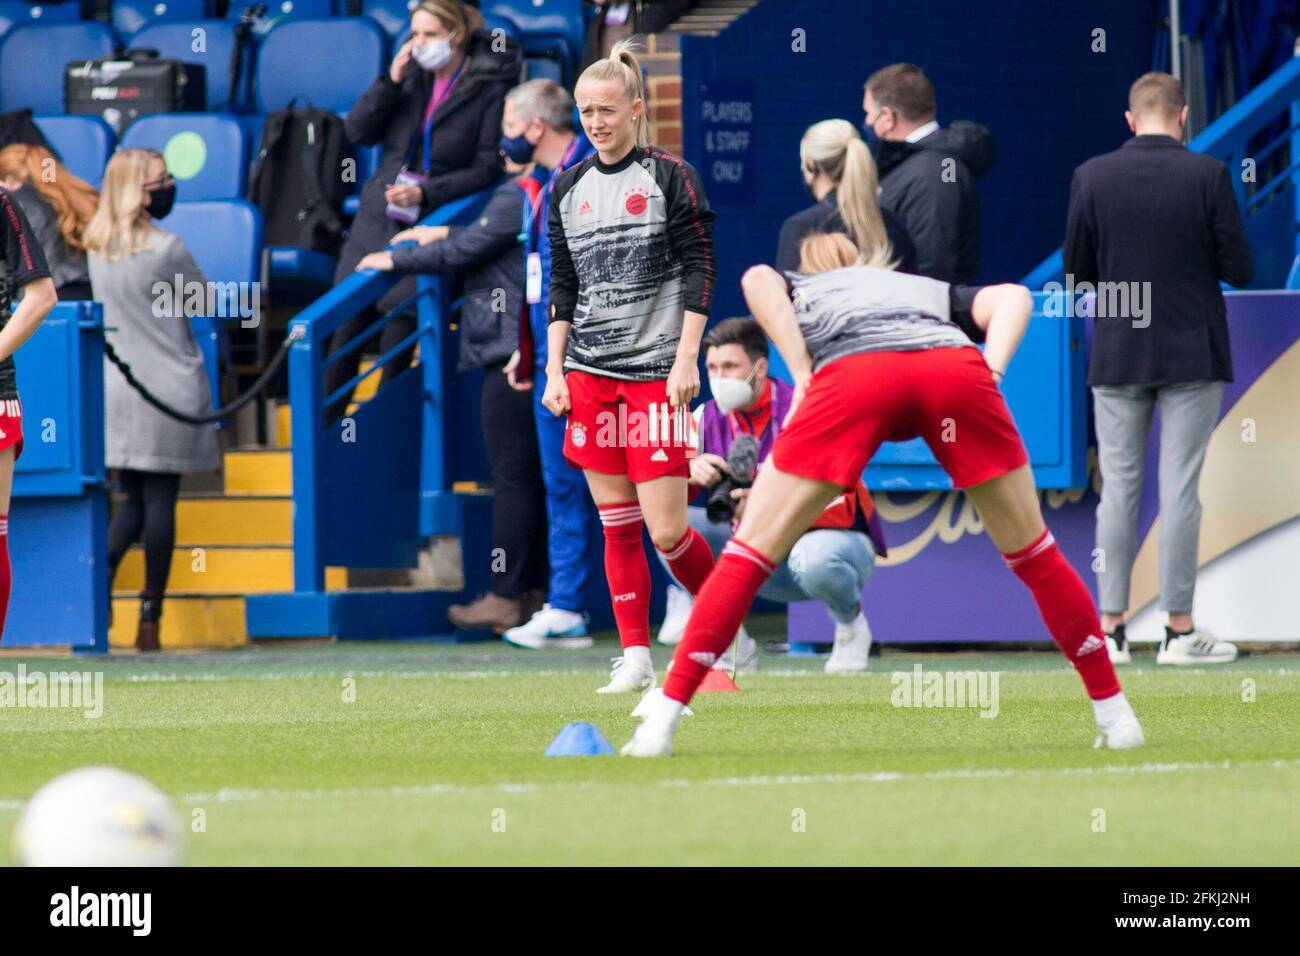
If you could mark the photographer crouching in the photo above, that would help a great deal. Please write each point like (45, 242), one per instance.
(737, 427)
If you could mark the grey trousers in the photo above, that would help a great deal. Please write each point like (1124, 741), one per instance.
(1188, 413)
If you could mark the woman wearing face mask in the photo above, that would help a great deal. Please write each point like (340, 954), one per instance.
(838, 170)
(135, 267)
(57, 205)
(437, 112)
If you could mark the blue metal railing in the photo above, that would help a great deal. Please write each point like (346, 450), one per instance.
(1228, 139)
(320, 532)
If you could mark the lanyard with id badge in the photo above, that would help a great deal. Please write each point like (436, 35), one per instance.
(409, 215)
(533, 263)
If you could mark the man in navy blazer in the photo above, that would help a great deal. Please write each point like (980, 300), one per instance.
(1155, 228)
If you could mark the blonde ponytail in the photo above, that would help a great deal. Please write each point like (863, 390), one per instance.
(622, 66)
(824, 251)
(838, 150)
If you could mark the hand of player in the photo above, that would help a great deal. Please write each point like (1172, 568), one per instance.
(380, 261)
(800, 389)
(511, 369)
(683, 382)
(421, 234)
(556, 396)
(707, 469)
(406, 194)
(398, 68)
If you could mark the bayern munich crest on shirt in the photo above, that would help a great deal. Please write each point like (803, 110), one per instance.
(636, 202)
(579, 434)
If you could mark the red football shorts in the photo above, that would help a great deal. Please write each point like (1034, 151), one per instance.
(946, 396)
(618, 427)
(11, 426)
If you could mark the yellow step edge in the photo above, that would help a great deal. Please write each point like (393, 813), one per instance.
(187, 621)
(223, 570)
(234, 521)
(284, 425)
(259, 473)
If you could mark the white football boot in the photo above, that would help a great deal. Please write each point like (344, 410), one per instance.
(1117, 725)
(852, 648)
(676, 615)
(551, 627)
(631, 673)
(659, 718)
(743, 646)
(1198, 647)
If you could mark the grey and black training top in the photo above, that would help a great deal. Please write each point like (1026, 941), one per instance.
(865, 309)
(631, 252)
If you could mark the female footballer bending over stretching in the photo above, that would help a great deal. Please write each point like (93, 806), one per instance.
(632, 277)
(880, 356)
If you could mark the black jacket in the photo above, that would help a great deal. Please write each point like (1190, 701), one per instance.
(1152, 211)
(490, 258)
(938, 202)
(464, 155)
(825, 217)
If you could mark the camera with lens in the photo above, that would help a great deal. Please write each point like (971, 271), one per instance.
(742, 462)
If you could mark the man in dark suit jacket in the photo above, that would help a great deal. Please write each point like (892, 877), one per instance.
(1156, 227)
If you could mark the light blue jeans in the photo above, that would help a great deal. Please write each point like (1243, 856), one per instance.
(826, 564)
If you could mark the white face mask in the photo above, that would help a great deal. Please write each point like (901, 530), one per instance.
(433, 55)
(733, 393)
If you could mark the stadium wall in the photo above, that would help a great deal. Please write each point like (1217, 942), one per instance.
(1033, 79)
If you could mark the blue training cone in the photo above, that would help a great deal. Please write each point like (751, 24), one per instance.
(579, 739)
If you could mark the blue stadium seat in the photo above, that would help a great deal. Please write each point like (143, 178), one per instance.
(550, 28)
(16, 12)
(327, 62)
(207, 153)
(544, 68)
(278, 10)
(175, 41)
(130, 16)
(32, 58)
(225, 238)
(391, 15)
(84, 143)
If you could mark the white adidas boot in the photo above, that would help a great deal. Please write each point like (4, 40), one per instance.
(631, 673)
(1117, 725)
(659, 718)
(1198, 647)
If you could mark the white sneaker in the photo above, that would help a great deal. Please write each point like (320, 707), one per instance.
(746, 647)
(626, 678)
(677, 614)
(1198, 647)
(852, 647)
(650, 701)
(551, 627)
(1124, 734)
(1119, 653)
(659, 717)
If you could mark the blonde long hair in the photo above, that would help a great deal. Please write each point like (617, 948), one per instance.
(72, 198)
(455, 16)
(824, 251)
(622, 66)
(837, 150)
(121, 226)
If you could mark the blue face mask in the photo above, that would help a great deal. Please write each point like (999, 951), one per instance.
(517, 148)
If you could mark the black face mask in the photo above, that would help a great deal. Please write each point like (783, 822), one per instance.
(160, 201)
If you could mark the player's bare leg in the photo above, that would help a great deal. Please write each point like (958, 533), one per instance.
(1009, 507)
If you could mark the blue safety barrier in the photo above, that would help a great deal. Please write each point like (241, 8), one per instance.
(59, 514)
(370, 489)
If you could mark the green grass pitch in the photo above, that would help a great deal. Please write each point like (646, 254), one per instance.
(438, 760)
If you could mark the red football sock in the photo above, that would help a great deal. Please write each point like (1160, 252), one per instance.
(690, 560)
(720, 609)
(1068, 610)
(627, 571)
(6, 577)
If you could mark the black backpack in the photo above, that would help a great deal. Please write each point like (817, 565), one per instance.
(297, 178)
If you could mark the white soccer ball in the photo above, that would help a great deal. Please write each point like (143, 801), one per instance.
(98, 816)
